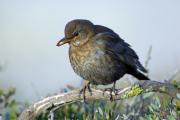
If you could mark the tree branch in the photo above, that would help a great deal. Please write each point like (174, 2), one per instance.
(64, 98)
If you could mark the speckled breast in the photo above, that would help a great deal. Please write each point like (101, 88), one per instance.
(95, 65)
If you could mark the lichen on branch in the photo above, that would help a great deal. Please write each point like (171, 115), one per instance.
(56, 101)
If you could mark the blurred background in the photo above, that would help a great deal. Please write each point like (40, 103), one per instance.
(29, 31)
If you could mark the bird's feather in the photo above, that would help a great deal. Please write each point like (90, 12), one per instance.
(118, 47)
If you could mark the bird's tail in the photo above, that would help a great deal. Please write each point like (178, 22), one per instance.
(140, 76)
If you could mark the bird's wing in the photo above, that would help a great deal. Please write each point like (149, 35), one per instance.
(116, 46)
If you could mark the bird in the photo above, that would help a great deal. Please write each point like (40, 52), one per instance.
(99, 55)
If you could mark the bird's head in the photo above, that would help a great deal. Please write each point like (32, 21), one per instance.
(77, 32)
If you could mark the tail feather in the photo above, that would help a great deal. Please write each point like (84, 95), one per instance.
(140, 76)
(140, 67)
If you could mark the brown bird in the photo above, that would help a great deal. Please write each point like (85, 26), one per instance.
(99, 55)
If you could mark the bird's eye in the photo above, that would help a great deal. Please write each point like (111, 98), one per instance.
(75, 33)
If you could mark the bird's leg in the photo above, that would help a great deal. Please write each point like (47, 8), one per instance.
(89, 87)
(83, 90)
(111, 90)
(114, 88)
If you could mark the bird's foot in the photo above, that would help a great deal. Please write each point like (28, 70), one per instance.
(112, 91)
(83, 90)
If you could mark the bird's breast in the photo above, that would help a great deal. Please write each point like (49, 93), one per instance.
(79, 58)
(95, 65)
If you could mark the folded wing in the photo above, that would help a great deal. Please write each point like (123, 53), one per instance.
(111, 42)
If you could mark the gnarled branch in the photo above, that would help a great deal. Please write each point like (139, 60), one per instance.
(63, 98)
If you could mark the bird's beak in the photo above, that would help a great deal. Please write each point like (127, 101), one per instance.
(62, 42)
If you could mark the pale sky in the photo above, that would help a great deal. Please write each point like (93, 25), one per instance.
(30, 29)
